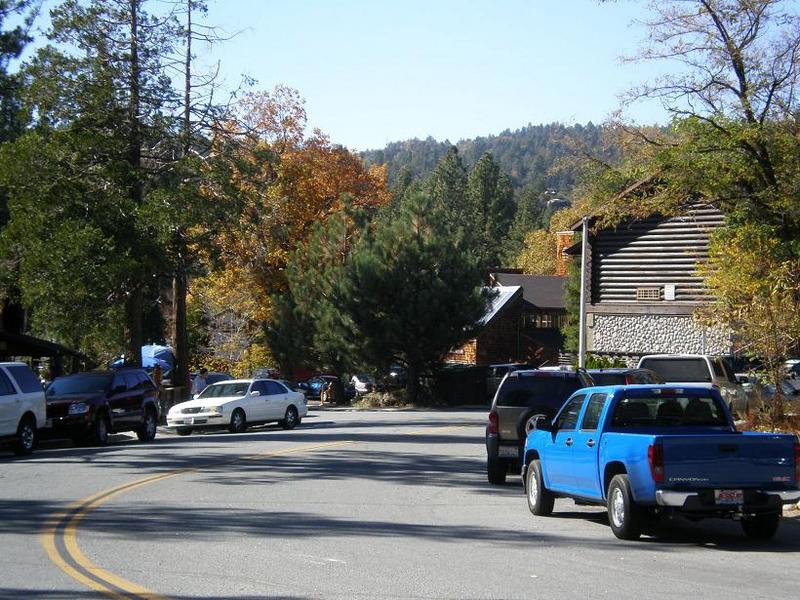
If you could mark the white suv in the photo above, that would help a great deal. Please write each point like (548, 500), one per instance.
(699, 370)
(22, 406)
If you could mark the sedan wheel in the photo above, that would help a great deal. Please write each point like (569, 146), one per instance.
(291, 420)
(238, 421)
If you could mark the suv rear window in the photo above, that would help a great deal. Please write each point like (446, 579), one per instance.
(26, 380)
(530, 390)
(679, 369)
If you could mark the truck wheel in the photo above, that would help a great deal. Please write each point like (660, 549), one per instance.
(624, 516)
(496, 469)
(26, 436)
(540, 499)
(761, 527)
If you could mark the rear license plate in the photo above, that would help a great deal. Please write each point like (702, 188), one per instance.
(729, 496)
(508, 451)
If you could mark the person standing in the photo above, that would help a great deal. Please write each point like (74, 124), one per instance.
(200, 382)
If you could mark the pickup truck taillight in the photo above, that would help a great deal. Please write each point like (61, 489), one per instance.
(655, 457)
(493, 422)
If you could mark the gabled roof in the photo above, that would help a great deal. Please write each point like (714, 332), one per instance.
(505, 295)
(542, 291)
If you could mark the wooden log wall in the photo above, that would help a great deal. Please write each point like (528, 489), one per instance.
(651, 253)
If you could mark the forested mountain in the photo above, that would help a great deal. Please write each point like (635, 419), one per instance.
(527, 155)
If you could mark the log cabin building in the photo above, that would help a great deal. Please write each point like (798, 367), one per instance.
(643, 285)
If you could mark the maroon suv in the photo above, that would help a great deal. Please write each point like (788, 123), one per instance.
(87, 407)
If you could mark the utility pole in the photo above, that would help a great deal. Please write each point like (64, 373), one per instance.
(582, 315)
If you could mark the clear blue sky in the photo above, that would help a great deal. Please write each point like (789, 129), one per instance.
(379, 71)
(375, 71)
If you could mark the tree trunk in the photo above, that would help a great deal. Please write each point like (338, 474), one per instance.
(412, 384)
(133, 318)
(180, 336)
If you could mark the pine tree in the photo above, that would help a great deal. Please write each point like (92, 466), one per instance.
(447, 188)
(526, 218)
(490, 199)
(101, 102)
(410, 291)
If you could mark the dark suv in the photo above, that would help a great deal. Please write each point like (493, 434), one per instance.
(622, 376)
(88, 406)
(521, 396)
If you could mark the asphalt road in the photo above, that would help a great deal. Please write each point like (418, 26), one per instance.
(353, 504)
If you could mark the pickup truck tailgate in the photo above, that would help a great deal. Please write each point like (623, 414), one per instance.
(741, 460)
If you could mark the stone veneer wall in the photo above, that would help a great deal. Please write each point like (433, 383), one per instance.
(654, 334)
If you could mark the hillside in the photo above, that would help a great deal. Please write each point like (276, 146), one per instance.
(528, 154)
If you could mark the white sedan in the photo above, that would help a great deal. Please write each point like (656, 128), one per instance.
(237, 404)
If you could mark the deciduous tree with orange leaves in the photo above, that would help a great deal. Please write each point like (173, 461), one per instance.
(279, 183)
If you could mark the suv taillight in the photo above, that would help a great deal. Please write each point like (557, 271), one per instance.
(655, 458)
(797, 463)
(493, 422)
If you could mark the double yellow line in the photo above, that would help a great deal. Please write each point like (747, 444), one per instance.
(60, 539)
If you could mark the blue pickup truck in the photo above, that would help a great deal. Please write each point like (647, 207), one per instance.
(646, 451)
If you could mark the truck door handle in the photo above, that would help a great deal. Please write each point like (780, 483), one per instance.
(590, 443)
(568, 442)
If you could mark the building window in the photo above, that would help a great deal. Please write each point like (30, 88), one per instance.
(648, 294)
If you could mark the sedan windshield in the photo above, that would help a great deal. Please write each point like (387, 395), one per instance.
(89, 383)
(224, 390)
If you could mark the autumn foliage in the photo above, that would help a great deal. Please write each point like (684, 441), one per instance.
(277, 183)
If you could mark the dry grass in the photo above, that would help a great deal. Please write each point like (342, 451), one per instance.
(387, 399)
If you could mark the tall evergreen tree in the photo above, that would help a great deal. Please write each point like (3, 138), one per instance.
(447, 187)
(12, 42)
(102, 102)
(410, 291)
(526, 218)
(490, 198)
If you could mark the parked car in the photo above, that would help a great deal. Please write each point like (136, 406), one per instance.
(329, 388)
(621, 376)
(699, 369)
(521, 396)
(495, 374)
(22, 407)
(362, 383)
(314, 385)
(651, 451)
(237, 404)
(87, 407)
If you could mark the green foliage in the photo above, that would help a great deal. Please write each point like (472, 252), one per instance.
(490, 200)
(82, 234)
(447, 188)
(405, 292)
(596, 361)
(12, 42)
(572, 304)
(411, 291)
(755, 276)
(532, 155)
